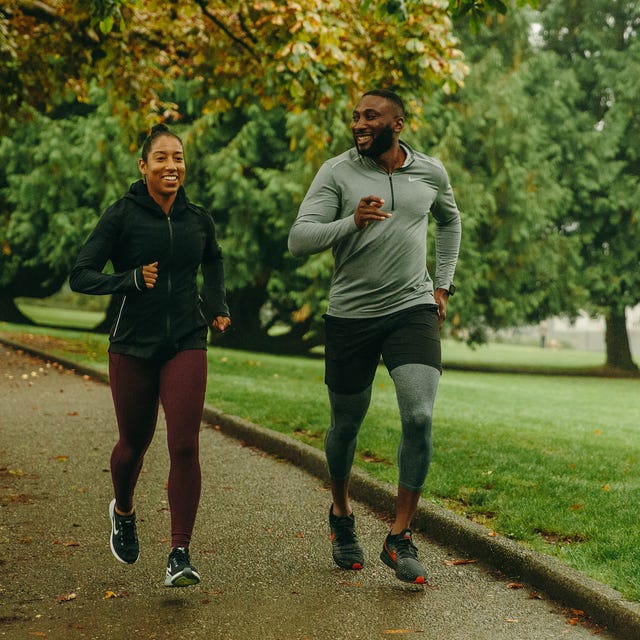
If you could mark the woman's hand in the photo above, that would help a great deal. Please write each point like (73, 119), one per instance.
(221, 323)
(150, 274)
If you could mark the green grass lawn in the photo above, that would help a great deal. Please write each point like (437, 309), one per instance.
(551, 461)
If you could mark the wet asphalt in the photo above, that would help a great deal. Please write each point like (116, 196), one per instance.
(260, 543)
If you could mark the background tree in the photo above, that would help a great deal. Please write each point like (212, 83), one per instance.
(56, 176)
(598, 43)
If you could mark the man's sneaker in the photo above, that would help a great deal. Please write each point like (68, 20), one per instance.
(180, 572)
(401, 555)
(124, 536)
(347, 552)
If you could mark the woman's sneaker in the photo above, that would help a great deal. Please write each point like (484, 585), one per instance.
(345, 546)
(180, 572)
(401, 555)
(124, 536)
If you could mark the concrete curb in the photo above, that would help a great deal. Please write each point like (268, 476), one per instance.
(601, 604)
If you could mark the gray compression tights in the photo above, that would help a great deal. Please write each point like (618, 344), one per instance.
(416, 386)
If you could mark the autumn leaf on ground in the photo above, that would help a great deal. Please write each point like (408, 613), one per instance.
(515, 585)
(67, 597)
(393, 632)
(114, 594)
(453, 563)
(576, 614)
(369, 456)
(71, 543)
(61, 458)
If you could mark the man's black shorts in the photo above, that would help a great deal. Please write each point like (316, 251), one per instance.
(353, 346)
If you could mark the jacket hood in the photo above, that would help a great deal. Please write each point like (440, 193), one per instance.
(139, 194)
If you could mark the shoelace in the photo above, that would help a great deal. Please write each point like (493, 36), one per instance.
(405, 548)
(344, 532)
(180, 557)
(129, 533)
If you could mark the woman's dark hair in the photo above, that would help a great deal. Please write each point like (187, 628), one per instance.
(156, 131)
(391, 96)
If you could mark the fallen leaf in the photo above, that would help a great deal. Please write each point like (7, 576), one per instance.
(61, 458)
(576, 507)
(67, 597)
(300, 534)
(535, 596)
(71, 543)
(515, 585)
(392, 632)
(110, 594)
(72, 413)
(511, 620)
(453, 563)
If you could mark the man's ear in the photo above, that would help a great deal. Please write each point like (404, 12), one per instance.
(398, 125)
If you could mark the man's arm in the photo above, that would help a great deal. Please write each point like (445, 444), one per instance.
(318, 225)
(448, 235)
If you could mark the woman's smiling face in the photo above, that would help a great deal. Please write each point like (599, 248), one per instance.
(164, 168)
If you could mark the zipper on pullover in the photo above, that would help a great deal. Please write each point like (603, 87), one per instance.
(393, 197)
(169, 284)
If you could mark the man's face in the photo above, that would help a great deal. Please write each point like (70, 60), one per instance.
(375, 125)
(164, 169)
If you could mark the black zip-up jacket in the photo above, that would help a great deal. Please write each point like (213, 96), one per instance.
(172, 316)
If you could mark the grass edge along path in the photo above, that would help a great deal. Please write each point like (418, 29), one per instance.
(482, 477)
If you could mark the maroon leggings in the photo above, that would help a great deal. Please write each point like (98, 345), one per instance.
(137, 387)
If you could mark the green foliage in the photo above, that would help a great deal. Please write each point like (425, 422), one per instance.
(599, 46)
(58, 175)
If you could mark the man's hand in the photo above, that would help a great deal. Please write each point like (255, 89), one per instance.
(221, 323)
(150, 274)
(442, 297)
(369, 210)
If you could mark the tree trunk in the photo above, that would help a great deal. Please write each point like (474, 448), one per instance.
(9, 312)
(248, 332)
(617, 341)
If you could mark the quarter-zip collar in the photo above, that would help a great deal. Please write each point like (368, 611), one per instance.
(139, 194)
(410, 157)
(407, 161)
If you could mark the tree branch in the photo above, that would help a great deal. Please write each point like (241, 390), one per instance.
(205, 10)
(38, 9)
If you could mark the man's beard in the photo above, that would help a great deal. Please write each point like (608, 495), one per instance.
(381, 143)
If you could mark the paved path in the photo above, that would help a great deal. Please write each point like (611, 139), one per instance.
(260, 543)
